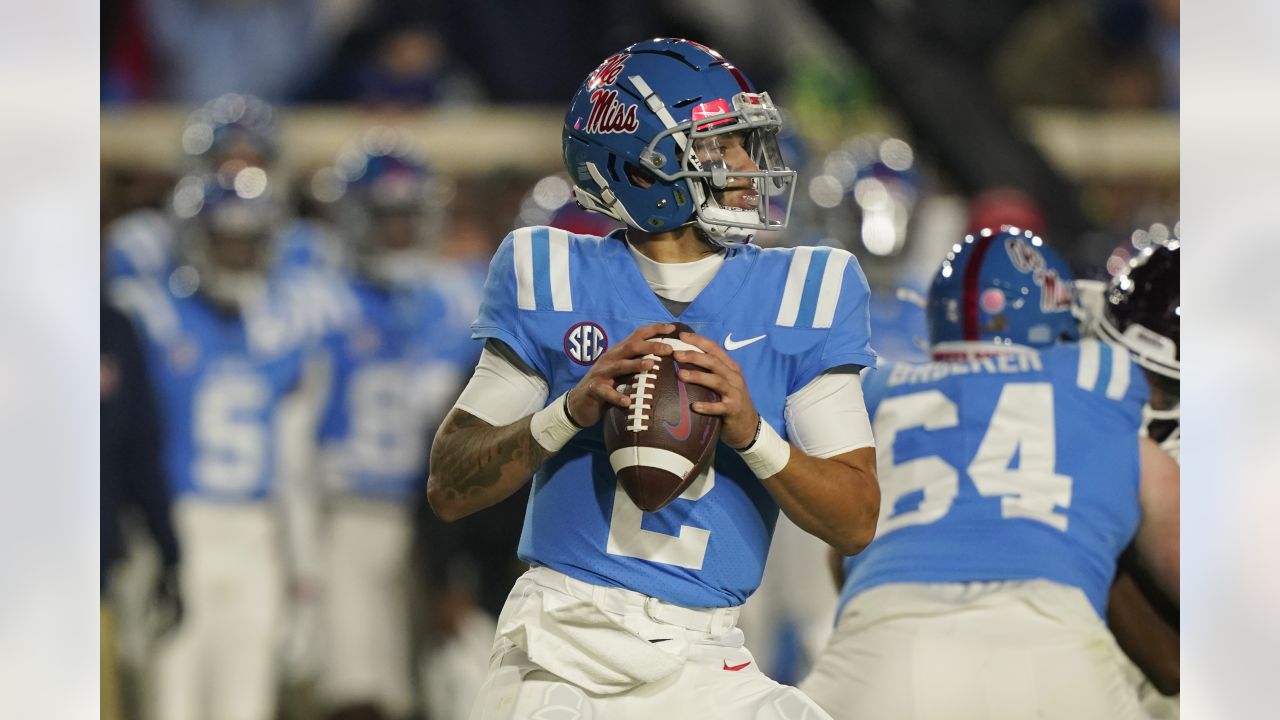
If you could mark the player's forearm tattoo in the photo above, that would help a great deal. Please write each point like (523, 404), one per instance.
(479, 463)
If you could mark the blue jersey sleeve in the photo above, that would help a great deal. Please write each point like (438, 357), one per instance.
(848, 340)
(500, 315)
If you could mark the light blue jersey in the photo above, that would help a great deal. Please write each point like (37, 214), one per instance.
(1012, 466)
(559, 300)
(220, 379)
(396, 369)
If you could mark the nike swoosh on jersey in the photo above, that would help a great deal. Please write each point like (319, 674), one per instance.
(731, 344)
(735, 668)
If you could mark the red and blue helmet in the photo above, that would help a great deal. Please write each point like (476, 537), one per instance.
(1004, 286)
(643, 142)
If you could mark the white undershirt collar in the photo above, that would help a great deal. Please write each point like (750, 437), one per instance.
(678, 282)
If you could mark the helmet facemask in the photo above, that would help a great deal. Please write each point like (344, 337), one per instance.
(231, 253)
(394, 224)
(712, 142)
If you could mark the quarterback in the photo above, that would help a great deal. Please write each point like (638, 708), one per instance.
(629, 614)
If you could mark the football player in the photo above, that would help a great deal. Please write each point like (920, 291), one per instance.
(1141, 311)
(1012, 477)
(222, 137)
(396, 367)
(628, 614)
(232, 393)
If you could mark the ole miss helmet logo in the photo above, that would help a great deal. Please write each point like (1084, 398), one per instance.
(607, 73)
(1055, 293)
(608, 114)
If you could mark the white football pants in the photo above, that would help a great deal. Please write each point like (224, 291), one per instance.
(972, 651)
(367, 606)
(569, 649)
(221, 663)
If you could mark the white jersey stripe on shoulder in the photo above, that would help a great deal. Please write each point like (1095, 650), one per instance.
(795, 287)
(1090, 356)
(522, 239)
(1119, 383)
(561, 295)
(829, 294)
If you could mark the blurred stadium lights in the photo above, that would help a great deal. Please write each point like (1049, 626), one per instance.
(1082, 144)
(458, 141)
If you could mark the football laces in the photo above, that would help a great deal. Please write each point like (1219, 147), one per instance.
(641, 394)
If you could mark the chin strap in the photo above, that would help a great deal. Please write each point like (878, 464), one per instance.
(719, 235)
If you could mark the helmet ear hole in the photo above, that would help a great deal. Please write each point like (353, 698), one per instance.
(640, 177)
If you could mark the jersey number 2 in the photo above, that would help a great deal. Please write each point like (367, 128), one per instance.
(687, 550)
(1022, 424)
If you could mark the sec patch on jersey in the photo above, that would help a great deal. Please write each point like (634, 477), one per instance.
(658, 445)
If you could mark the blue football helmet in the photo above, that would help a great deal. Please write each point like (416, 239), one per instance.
(1003, 286)
(391, 204)
(227, 236)
(655, 137)
(231, 128)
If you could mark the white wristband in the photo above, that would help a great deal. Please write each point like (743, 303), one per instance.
(551, 427)
(768, 454)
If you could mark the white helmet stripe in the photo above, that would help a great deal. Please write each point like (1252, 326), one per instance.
(655, 105)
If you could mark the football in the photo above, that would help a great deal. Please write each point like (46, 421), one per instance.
(658, 445)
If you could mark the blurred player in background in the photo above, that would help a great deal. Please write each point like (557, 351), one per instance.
(131, 479)
(1141, 311)
(223, 137)
(1012, 477)
(627, 614)
(396, 366)
(238, 408)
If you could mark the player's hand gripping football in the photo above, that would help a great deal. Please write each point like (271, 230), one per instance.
(587, 400)
(738, 416)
